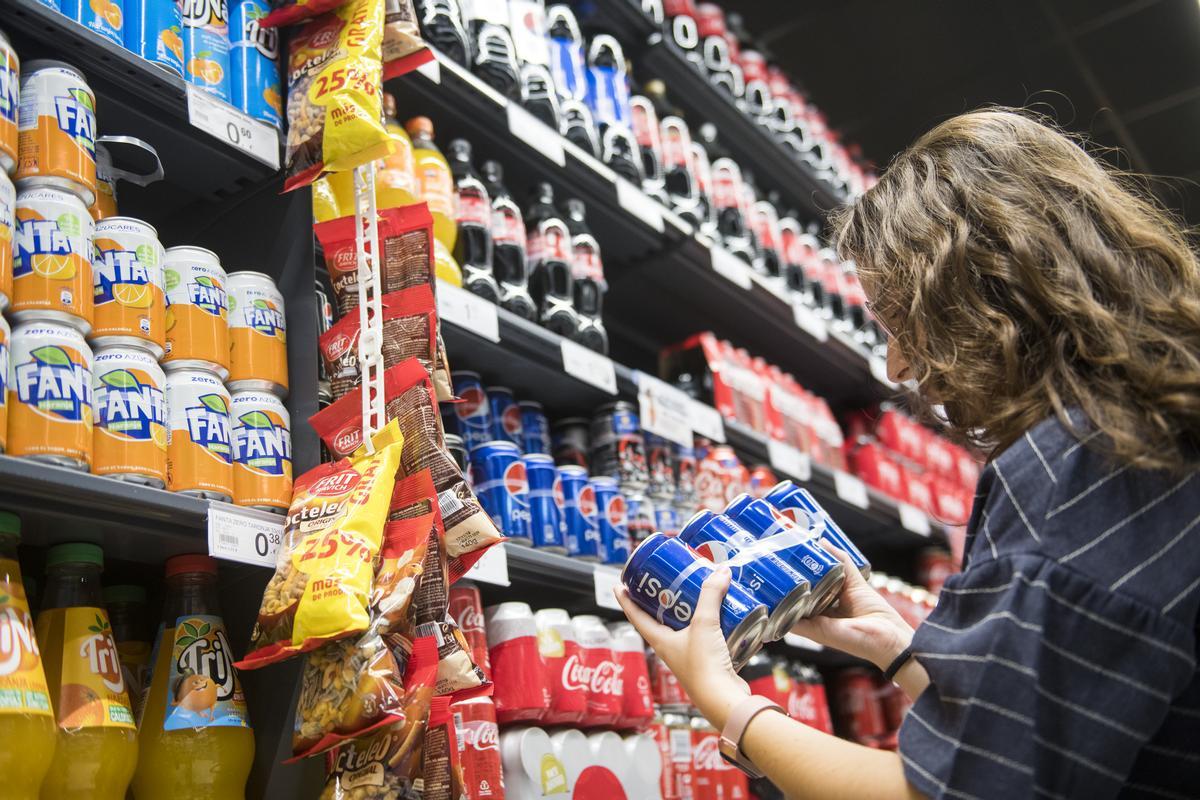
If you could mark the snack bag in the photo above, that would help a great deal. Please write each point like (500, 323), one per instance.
(289, 12)
(325, 565)
(403, 48)
(335, 114)
(441, 765)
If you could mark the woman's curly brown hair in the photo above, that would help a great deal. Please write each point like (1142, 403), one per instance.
(1023, 279)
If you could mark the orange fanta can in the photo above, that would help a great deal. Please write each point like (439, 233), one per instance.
(5, 352)
(262, 451)
(199, 445)
(197, 310)
(57, 129)
(10, 79)
(257, 334)
(130, 439)
(127, 273)
(52, 259)
(50, 394)
(8, 210)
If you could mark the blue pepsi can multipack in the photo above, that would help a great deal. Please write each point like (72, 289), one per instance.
(102, 17)
(206, 45)
(545, 502)
(154, 31)
(502, 487)
(664, 576)
(506, 416)
(254, 62)
(566, 53)
(802, 508)
(666, 519)
(473, 414)
(612, 518)
(783, 590)
(581, 530)
(792, 544)
(535, 430)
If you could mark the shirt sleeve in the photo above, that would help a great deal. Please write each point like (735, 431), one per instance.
(1042, 684)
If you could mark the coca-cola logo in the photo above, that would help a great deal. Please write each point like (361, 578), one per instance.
(335, 484)
(474, 403)
(706, 755)
(511, 420)
(602, 678)
(800, 705)
(515, 479)
(616, 511)
(470, 620)
(587, 502)
(480, 734)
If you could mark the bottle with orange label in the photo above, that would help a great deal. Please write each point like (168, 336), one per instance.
(96, 751)
(434, 180)
(130, 435)
(395, 174)
(50, 398)
(197, 317)
(257, 334)
(27, 731)
(262, 451)
(52, 255)
(195, 711)
(57, 130)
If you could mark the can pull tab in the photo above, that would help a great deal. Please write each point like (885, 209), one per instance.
(127, 158)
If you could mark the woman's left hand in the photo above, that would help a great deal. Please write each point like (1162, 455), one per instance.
(698, 654)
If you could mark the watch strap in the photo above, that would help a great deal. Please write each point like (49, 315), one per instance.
(735, 728)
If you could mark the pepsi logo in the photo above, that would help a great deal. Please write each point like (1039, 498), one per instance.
(560, 498)
(515, 479)
(616, 512)
(587, 502)
(474, 403)
(511, 420)
(335, 484)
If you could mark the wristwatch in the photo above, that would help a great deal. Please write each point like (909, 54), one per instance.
(735, 728)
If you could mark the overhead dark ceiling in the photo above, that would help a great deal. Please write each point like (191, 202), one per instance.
(1125, 72)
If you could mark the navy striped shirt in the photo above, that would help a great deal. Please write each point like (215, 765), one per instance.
(1063, 659)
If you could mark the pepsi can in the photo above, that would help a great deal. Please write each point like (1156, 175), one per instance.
(666, 519)
(545, 502)
(506, 415)
(580, 527)
(473, 415)
(773, 583)
(660, 466)
(641, 517)
(569, 442)
(502, 487)
(792, 544)
(535, 430)
(612, 519)
(618, 449)
(664, 577)
(800, 506)
(254, 62)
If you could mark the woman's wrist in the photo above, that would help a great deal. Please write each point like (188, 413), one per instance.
(889, 642)
(717, 699)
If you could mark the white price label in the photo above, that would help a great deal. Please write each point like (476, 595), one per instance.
(468, 311)
(809, 321)
(432, 70)
(492, 568)
(640, 204)
(664, 410)
(802, 642)
(850, 489)
(536, 134)
(607, 579)
(707, 422)
(730, 267)
(789, 460)
(243, 534)
(914, 519)
(226, 123)
(589, 366)
(879, 371)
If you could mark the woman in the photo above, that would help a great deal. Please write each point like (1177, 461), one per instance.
(1054, 313)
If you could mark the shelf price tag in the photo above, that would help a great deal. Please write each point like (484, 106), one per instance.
(789, 460)
(536, 134)
(707, 422)
(914, 519)
(808, 321)
(850, 489)
(432, 70)
(606, 579)
(257, 139)
(243, 534)
(589, 366)
(639, 204)
(730, 267)
(492, 567)
(468, 311)
(664, 410)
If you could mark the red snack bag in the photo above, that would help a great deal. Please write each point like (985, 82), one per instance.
(403, 48)
(441, 768)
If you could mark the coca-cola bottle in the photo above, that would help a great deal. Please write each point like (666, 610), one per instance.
(703, 172)
(441, 24)
(508, 245)
(473, 247)
(549, 259)
(764, 220)
(637, 706)
(649, 140)
(679, 176)
(680, 23)
(493, 54)
(600, 672)
(831, 280)
(728, 201)
(587, 272)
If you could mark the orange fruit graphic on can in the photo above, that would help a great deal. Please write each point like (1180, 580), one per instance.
(262, 451)
(10, 97)
(50, 403)
(197, 310)
(130, 438)
(8, 210)
(199, 447)
(52, 256)
(56, 129)
(5, 344)
(257, 334)
(127, 267)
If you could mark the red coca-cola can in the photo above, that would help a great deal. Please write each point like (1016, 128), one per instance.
(859, 712)
(679, 736)
(466, 609)
(665, 688)
(805, 703)
(934, 566)
(668, 784)
(560, 653)
(521, 691)
(637, 706)
(479, 746)
(706, 761)
(599, 673)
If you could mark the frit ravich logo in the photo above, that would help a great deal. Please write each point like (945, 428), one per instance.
(336, 484)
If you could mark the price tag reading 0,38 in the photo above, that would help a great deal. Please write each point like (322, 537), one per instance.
(243, 534)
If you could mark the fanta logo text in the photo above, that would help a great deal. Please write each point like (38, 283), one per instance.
(668, 601)
(480, 735)
(129, 406)
(8, 94)
(338, 483)
(471, 619)
(264, 317)
(37, 237)
(116, 267)
(202, 649)
(103, 660)
(602, 678)
(262, 444)
(77, 121)
(207, 295)
(202, 13)
(51, 382)
(208, 426)
(16, 639)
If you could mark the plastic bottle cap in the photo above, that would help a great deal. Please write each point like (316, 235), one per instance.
(419, 126)
(75, 553)
(193, 562)
(389, 105)
(124, 593)
(10, 524)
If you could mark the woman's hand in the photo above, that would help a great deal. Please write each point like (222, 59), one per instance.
(861, 624)
(698, 654)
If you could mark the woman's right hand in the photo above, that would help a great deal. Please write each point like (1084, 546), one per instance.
(861, 624)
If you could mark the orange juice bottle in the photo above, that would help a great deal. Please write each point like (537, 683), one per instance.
(126, 606)
(434, 180)
(395, 174)
(27, 730)
(195, 739)
(97, 741)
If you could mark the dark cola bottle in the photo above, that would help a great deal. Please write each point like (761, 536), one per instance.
(442, 26)
(549, 259)
(587, 270)
(473, 247)
(508, 245)
(493, 53)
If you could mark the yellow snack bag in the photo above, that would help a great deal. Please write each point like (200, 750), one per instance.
(335, 112)
(326, 562)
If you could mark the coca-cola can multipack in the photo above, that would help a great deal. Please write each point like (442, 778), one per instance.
(479, 746)
(637, 706)
(665, 688)
(559, 649)
(521, 691)
(600, 673)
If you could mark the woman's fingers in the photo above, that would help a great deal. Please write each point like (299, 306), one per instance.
(712, 592)
(650, 628)
(853, 576)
